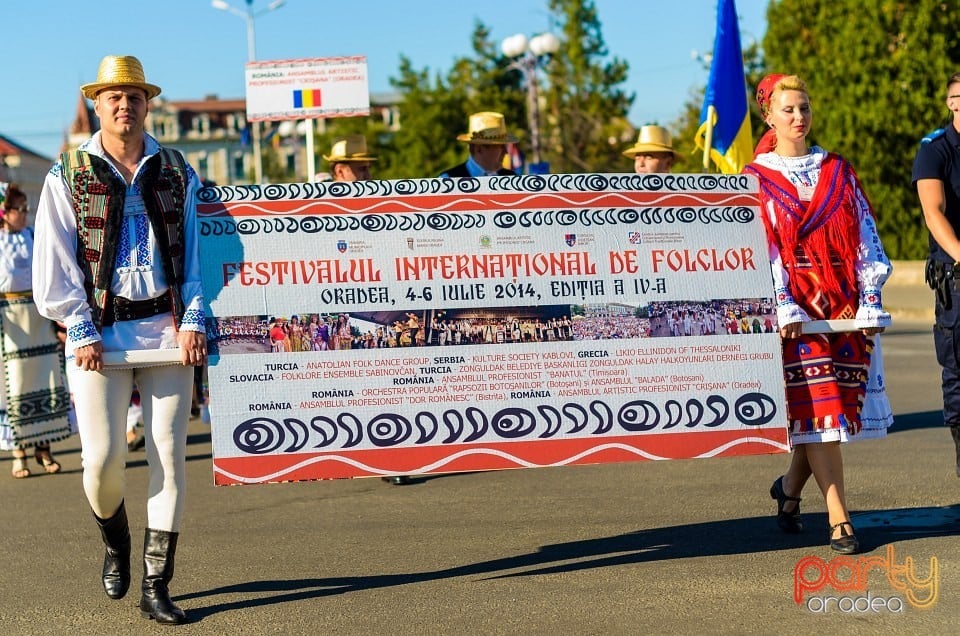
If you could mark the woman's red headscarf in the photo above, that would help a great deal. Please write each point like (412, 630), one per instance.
(764, 91)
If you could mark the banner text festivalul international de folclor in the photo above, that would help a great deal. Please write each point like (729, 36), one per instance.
(435, 325)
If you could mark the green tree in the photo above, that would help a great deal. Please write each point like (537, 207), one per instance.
(435, 109)
(584, 111)
(877, 75)
(587, 109)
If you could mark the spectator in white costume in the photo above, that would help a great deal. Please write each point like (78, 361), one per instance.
(34, 401)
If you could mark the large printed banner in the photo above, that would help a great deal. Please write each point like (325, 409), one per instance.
(436, 325)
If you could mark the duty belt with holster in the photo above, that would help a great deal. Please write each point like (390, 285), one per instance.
(942, 279)
(122, 309)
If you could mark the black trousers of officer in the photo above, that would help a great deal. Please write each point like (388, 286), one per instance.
(946, 339)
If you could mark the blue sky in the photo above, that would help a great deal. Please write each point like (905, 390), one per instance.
(191, 49)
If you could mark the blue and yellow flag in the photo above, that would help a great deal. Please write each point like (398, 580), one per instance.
(725, 117)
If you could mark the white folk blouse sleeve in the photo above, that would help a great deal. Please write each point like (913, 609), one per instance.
(57, 278)
(192, 289)
(16, 255)
(872, 268)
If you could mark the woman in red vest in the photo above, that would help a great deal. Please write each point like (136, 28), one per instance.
(828, 263)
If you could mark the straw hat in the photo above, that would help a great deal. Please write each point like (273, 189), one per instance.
(350, 148)
(652, 139)
(119, 70)
(487, 128)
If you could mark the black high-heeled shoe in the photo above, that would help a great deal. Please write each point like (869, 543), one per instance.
(45, 458)
(846, 543)
(790, 521)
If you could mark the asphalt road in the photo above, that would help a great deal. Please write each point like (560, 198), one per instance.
(674, 547)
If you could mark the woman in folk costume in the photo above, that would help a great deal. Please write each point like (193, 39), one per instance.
(34, 400)
(296, 334)
(828, 264)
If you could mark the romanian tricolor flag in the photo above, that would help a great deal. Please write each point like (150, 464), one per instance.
(724, 133)
(306, 98)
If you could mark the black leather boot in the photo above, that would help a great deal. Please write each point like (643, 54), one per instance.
(955, 431)
(116, 559)
(159, 548)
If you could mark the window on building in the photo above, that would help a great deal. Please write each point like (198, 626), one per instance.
(201, 124)
(238, 166)
(234, 123)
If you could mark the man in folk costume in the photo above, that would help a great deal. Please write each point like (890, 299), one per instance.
(653, 151)
(488, 139)
(117, 263)
(828, 264)
(349, 159)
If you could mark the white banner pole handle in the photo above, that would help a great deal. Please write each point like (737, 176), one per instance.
(141, 358)
(829, 326)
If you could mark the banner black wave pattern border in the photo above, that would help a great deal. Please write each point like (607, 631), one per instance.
(455, 221)
(263, 435)
(519, 183)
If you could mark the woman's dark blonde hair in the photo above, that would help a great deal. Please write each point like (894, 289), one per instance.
(13, 198)
(791, 83)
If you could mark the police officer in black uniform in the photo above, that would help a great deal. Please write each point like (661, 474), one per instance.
(936, 174)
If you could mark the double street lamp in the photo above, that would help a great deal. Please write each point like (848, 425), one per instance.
(527, 56)
(250, 16)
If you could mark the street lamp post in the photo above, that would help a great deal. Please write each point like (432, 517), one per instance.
(527, 56)
(250, 16)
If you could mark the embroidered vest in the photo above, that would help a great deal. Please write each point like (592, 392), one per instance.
(98, 200)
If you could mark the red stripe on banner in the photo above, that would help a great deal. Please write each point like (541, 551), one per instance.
(496, 456)
(471, 202)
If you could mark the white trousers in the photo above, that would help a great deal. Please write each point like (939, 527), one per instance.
(101, 399)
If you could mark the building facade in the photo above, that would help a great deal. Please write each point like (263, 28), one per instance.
(26, 167)
(212, 134)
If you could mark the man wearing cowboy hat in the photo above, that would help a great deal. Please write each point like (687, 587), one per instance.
(118, 264)
(653, 151)
(488, 139)
(349, 160)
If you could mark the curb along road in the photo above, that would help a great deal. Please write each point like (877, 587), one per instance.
(906, 295)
